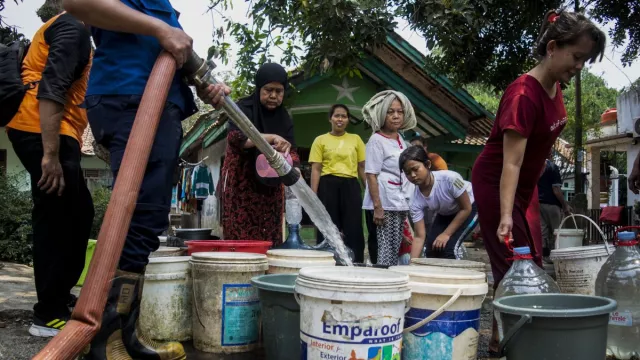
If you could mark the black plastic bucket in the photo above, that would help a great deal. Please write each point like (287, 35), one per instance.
(554, 326)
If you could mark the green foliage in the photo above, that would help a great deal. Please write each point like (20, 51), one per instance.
(49, 9)
(332, 34)
(487, 41)
(596, 98)
(15, 219)
(485, 95)
(101, 198)
(625, 17)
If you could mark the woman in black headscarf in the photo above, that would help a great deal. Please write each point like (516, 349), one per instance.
(253, 207)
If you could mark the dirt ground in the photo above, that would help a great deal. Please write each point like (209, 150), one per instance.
(17, 344)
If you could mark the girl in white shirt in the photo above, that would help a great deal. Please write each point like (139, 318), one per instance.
(445, 193)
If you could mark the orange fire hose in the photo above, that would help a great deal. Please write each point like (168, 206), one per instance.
(87, 316)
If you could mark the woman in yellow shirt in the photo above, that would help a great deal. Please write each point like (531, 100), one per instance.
(337, 161)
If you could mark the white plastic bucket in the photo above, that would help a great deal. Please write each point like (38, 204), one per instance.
(450, 263)
(351, 313)
(568, 238)
(287, 261)
(226, 307)
(577, 267)
(165, 308)
(444, 319)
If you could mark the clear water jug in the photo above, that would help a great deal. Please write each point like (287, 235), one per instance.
(619, 279)
(293, 209)
(524, 277)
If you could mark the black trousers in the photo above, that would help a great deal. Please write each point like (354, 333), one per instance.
(372, 241)
(61, 224)
(452, 249)
(341, 197)
(111, 119)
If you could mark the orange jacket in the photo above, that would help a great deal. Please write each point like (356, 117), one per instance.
(63, 80)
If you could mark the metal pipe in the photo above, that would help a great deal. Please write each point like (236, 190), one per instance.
(199, 73)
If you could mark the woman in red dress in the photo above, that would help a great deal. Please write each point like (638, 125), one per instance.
(253, 208)
(529, 120)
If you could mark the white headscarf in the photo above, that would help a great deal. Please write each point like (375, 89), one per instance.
(375, 110)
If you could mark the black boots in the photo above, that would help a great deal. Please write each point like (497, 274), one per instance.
(120, 337)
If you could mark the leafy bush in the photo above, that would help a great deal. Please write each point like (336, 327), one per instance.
(15, 218)
(101, 198)
(16, 242)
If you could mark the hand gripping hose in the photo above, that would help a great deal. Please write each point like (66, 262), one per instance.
(87, 316)
(199, 72)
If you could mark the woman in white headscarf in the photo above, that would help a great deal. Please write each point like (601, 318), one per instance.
(385, 203)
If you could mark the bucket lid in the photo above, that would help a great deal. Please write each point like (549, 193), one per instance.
(581, 252)
(299, 254)
(168, 265)
(523, 250)
(450, 263)
(169, 259)
(444, 281)
(575, 232)
(350, 283)
(167, 249)
(229, 258)
(275, 282)
(555, 305)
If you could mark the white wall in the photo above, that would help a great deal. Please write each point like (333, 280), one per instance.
(628, 108)
(13, 163)
(14, 166)
(210, 217)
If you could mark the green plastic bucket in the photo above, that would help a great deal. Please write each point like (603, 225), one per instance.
(91, 247)
(280, 316)
(554, 326)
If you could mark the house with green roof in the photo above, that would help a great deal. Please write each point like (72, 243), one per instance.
(455, 125)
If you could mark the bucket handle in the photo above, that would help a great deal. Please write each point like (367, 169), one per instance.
(435, 314)
(604, 238)
(195, 302)
(526, 318)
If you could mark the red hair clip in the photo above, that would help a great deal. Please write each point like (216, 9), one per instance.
(553, 18)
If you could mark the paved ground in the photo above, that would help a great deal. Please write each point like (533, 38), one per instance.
(17, 296)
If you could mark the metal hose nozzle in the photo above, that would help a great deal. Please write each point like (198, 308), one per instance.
(199, 73)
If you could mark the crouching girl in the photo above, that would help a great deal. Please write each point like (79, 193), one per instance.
(445, 193)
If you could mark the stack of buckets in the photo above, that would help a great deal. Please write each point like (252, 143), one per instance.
(226, 304)
(328, 312)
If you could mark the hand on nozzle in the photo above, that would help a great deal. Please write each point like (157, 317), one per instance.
(214, 94)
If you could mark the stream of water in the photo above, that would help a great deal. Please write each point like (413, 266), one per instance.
(321, 219)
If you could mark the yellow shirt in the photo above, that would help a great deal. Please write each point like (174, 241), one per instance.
(339, 155)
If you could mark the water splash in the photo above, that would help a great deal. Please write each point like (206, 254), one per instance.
(320, 218)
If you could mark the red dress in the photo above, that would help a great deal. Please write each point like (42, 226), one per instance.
(527, 109)
(250, 209)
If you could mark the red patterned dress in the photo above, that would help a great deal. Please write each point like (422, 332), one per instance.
(251, 210)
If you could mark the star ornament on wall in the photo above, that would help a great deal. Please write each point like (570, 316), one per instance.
(345, 90)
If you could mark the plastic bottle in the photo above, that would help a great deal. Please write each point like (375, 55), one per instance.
(293, 215)
(524, 277)
(619, 279)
